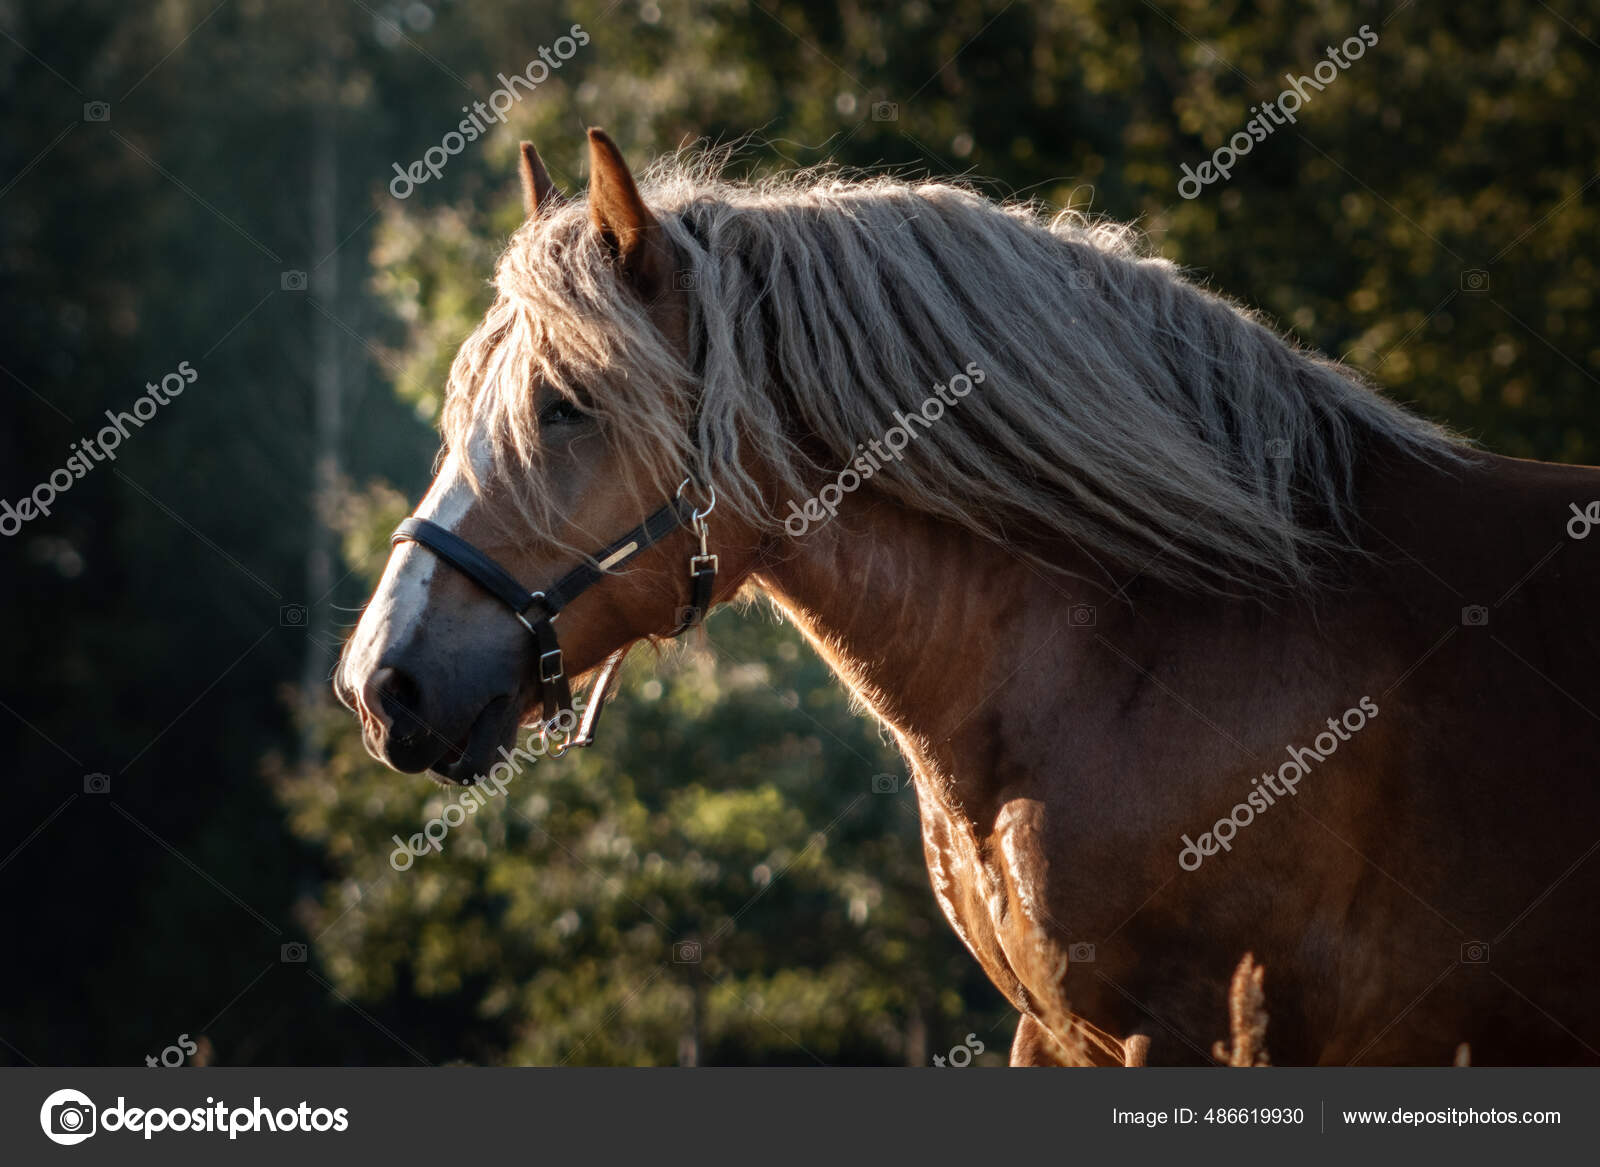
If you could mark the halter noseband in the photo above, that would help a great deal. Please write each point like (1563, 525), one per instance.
(537, 610)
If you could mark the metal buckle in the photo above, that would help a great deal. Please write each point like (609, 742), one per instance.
(559, 669)
(698, 559)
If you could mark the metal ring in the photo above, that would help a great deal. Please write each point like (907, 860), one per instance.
(526, 623)
(698, 513)
(540, 596)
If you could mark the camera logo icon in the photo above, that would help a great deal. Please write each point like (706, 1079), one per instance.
(292, 616)
(1475, 952)
(97, 783)
(1277, 447)
(293, 953)
(97, 111)
(1475, 616)
(1474, 279)
(885, 111)
(885, 784)
(686, 952)
(689, 615)
(1081, 615)
(685, 281)
(67, 1117)
(1080, 953)
(292, 281)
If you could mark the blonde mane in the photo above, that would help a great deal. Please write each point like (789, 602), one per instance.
(1124, 409)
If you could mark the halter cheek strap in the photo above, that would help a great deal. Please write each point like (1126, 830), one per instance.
(537, 610)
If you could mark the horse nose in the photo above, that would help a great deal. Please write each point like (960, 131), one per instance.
(391, 696)
(390, 702)
(342, 689)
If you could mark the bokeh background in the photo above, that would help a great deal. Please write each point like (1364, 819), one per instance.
(195, 849)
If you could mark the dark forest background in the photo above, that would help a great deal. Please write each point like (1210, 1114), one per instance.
(195, 844)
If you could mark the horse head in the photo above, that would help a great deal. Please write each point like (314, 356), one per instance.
(570, 416)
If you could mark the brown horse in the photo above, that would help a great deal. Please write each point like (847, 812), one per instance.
(1194, 644)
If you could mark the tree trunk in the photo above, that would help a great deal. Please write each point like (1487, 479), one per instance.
(327, 420)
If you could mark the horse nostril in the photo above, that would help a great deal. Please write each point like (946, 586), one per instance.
(391, 696)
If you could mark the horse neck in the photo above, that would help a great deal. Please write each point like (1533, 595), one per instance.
(958, 643)
(978, 663)
(921, 619)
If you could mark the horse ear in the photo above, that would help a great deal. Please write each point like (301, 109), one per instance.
(539, 193)
(626, 225)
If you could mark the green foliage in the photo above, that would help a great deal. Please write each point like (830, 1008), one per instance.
(722, 840)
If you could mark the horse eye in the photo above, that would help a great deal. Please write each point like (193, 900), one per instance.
(561, 412)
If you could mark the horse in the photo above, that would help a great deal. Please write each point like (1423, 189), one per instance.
(1195, 645)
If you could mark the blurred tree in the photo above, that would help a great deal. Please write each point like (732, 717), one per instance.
(1431, 217)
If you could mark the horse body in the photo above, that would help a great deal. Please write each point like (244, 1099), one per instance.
(1195, 646)
(1063, 745)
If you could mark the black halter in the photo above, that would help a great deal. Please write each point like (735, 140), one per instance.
(538, 610)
